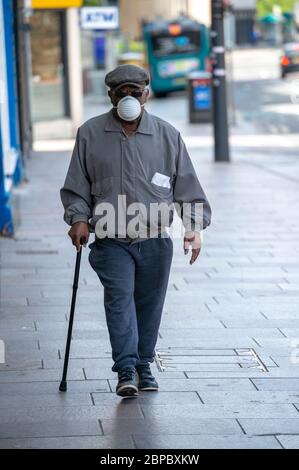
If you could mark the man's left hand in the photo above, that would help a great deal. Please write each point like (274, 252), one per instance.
(192, 239)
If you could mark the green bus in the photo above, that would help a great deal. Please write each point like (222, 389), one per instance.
(174, 49)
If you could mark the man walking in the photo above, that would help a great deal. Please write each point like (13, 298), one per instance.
(123, 158)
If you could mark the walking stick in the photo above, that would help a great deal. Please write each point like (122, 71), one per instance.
(63, 383)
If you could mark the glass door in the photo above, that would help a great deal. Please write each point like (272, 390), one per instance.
(49, 65)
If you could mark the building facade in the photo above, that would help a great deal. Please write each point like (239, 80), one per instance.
(10, 153)
(40, 85)
(56, 76)
(244, 19)
(134, 12)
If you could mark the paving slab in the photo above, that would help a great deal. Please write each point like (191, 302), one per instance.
(40, 388)
(248, 397)
(47, 400)
(286, 384)
(238, 410)
(170, 425)
(34, 414)
(82, 442)
(47, 428)
(194, 441)
(289, 442)
(272, 426)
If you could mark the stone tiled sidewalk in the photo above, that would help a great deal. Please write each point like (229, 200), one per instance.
(228, 337)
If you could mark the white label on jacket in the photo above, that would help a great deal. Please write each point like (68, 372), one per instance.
(161, 180)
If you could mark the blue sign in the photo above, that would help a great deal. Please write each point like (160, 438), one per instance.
(202, 97)
(99, 18)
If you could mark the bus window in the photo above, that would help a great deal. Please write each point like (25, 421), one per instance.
(165, 45)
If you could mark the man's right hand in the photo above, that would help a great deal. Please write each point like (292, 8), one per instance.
(79, 234)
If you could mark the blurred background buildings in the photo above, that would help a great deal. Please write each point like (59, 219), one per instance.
(55, 53)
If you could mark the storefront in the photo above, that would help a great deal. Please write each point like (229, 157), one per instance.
(10, 156)
(244, 15)
(100, 40)
(50, 80)
(245, 21)
(56, 82)
(35, 85)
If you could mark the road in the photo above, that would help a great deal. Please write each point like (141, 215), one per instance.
(262, 98)
(264, 103)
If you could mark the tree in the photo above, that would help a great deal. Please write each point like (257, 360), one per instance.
(264, 7)
(92, 3)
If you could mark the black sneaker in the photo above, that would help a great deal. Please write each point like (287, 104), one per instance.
(127, 383)
(147, 381)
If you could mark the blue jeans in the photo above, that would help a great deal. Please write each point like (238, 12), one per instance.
(135, 278)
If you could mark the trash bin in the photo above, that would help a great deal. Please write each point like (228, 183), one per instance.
(200, 97)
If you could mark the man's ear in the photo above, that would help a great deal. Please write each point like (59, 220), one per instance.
(147, 93)
(110, 95)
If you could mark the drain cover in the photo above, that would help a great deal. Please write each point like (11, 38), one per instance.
(208, 360)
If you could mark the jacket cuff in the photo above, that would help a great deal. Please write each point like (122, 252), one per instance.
(79, 218)
(206, 223)
(194, 226)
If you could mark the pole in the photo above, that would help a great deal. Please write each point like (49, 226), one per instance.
(220, 118)
(63, 383)
(23, 12)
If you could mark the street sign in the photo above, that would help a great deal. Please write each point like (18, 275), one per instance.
(99, 18)
(202, 97)
(48, 4)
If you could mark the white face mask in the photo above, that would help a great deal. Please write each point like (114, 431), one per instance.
(129, 108)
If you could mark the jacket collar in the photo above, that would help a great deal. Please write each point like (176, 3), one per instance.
(145, 125)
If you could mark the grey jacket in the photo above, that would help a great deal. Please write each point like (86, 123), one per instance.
(106, 163)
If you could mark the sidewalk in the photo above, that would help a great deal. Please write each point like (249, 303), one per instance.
(227, 341)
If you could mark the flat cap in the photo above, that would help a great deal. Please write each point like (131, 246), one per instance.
(127, 74)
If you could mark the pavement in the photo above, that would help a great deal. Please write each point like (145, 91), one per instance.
(227, 355)
(227, 358)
